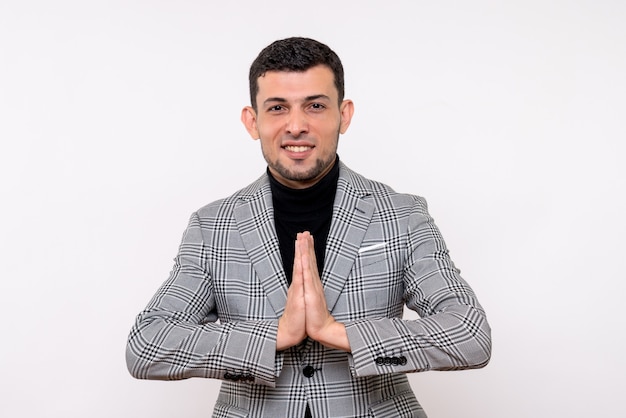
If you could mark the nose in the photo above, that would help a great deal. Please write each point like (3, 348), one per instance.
(297, 123)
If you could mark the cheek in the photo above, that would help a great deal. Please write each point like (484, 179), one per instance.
(332, 128)
(268, 132)
(330, 137)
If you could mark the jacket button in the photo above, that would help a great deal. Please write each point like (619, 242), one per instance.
(308, 371)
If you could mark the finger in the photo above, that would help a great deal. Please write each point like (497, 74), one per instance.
(315, 279)
(312, 257)
(296, 277)
(308, 253)
(307, 257)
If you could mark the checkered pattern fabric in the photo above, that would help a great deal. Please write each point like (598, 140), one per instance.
(217, 314)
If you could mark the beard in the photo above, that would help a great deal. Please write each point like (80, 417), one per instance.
(321, 166)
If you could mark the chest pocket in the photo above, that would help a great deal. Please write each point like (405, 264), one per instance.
(371, 254)
(374, 288)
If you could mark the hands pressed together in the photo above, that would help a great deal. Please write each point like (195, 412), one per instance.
(306, 313)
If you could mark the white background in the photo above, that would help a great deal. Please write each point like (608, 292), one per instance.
(120, 118)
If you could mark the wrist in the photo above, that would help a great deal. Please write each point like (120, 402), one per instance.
(334, 335)
(284, 338)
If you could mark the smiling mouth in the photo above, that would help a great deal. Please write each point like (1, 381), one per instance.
(299, 148)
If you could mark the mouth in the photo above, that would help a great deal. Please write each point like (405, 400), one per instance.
(297, 148)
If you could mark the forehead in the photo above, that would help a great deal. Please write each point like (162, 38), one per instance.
(297, 84)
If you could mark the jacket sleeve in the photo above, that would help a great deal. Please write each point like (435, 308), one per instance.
(452, 332)
(178, 335)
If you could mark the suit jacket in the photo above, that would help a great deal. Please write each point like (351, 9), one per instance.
(217, 314)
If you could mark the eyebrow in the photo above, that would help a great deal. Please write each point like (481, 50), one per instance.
(306, 99)
(316, 97)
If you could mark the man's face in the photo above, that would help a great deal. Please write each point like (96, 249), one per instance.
(298, 120)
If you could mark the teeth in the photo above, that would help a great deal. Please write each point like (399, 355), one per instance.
(297, 148)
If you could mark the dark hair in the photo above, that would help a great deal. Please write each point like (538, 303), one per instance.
(294, 54)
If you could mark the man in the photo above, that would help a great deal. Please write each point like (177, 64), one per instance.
(292, 289)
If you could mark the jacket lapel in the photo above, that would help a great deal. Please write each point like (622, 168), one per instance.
(352, 213)
(254, 215)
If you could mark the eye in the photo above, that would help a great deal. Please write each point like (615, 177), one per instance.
(275, 108)
(317, 106)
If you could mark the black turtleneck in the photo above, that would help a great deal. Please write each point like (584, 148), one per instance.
(299, 210)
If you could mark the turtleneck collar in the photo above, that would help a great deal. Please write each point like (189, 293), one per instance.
(302, 201)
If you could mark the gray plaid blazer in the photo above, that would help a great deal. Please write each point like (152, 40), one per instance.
(217, 314)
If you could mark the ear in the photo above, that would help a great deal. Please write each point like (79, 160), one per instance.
(248, 118)
(347, 110)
